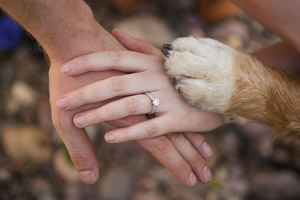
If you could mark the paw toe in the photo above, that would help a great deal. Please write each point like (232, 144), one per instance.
(166, 53)
(168, 46)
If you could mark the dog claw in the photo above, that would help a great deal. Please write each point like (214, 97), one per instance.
(174, 80)
(168, 46)
(166, 53)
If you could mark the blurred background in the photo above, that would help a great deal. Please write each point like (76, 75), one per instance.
(34, 164)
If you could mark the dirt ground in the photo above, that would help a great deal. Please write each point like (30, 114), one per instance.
(248, 162)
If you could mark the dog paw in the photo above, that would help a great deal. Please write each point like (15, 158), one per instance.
(202, 71)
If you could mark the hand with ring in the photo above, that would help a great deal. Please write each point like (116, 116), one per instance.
(146, 89)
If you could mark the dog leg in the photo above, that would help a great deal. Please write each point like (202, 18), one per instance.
(218, 78)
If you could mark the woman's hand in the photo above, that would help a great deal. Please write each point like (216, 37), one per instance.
(146, 75)
(192, 147)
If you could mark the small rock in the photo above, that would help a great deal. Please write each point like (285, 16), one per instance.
(127, 6)
(115, 185)
(147, 196)
(217, 10)
(148, 28)
(23, 142)
(235, 41)
(148, 183)
(72, 192)
(275, 186)
(4, 175)
(42, 189)
(21, 95)
(233, 32)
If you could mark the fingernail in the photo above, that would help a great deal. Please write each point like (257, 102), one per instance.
(67, 68)
(207, 150)
(207, 174)
(192, 179)
(110, 138)
(63, 103)
(88, 176)
(80, 120)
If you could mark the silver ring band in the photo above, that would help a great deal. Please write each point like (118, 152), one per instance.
(155, 102)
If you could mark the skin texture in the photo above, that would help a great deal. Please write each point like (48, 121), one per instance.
(253, 91)
(147, 74)
(62, 39)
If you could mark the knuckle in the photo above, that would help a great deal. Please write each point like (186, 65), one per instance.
(84, 60)
(200, 139)
(151, 130)
(136, 56)
(81, 160)
(198, 160)
(162, 144)
(109, 113)
(62, 121)
(116, 57)
(174, 136)
(163, 77)
(182, 167)
(131, 105)
(159, 59)
(117, 84)
(83, 95)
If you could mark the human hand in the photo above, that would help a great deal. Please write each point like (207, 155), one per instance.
(62, 40)
(147, 76)
(76, 140)
(182, 154)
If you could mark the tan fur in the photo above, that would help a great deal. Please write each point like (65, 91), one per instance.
(266, 95)
(215, 77)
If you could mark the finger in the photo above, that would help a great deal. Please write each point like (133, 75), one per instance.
(200, 143)
(147, 129)
(134, 44)
(191, 155)
(109, 88)
(80, 148)
(164, 151)
(125, 61)
(202, 120)
(132, 105)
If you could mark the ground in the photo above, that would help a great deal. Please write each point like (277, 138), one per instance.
(248, 162)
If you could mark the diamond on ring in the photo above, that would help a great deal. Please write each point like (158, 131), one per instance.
(155, 102)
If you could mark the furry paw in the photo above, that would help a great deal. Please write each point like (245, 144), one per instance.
(202, 70)
(215, 77)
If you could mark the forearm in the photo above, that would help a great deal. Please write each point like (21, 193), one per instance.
(280, 55)
(65, 28)
(280, 16)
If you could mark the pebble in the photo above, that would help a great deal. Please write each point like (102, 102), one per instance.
(21, 95)
(23, 142)
(5, 175)
(232, 32)
(115, 185)
(275, 186)
(42, 189)
(141, 195)
(148, 28)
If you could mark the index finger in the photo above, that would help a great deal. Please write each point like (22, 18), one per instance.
(124, 61)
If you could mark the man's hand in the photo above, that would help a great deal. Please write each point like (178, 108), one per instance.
(66, 29)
